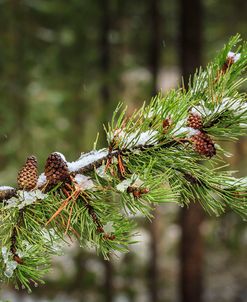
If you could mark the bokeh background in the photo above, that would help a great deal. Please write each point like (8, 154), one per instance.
(64, 66)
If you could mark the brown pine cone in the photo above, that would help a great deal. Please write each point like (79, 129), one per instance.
(28, 175)
(204, 144)
(56, 169)
(6, 192)
(194, 121)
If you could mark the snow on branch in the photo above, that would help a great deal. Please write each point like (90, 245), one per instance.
(152, 157)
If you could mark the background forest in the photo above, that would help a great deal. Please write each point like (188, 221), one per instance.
(64, 66)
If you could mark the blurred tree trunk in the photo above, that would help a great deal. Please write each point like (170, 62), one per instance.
(191, 249)
(153, 269)
(17, 77)
(190, 36)
(105, 60)
(191, 246)
(105, 64)
(154, 61)
(155, 45)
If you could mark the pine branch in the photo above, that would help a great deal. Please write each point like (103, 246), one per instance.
(165, 152)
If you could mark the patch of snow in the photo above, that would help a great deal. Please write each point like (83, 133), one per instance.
(5, 254)
(234, 56)
(138, 138)
(151, 113)
(242, 181)
(50, 237)
(102, 173)
(237, 106)
(87, 159)
(109, 228)
(192, 131)
(84, 182)
(123, 185)
(149, 136)
(10, 265)
(243, 125)
(195, 111)
(133, 181)
(180, 127)
(6, 188)
(61, 154)
(24, 198)
(41, 180)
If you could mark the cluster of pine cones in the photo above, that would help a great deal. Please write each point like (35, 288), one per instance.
(203, 143)
(56, 170)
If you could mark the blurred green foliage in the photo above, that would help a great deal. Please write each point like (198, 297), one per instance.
(50, 100)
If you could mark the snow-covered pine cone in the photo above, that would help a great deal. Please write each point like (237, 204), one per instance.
(6, 193)
(28, 175)
(56, 169)
(204, 144)
(195, 121)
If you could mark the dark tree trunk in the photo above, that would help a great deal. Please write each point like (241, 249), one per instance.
(153, 271)
(191, 248)
(17, 75)
(155, 45)
(191, 36)
(154, 61)
(191, 254)
(108, 284)
(105, 63)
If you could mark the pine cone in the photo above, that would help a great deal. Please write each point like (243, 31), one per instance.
(194, 121)
(28, 175)
(204, 144)
(6, 193)
(56, 169)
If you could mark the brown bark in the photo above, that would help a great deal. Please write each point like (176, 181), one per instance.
(191, 246)
(155, 45)
(105, 60)
(153, 270)
(108, 284)
(190, 36)
(191, 253)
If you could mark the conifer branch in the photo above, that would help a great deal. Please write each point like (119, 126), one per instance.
(155, 156)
